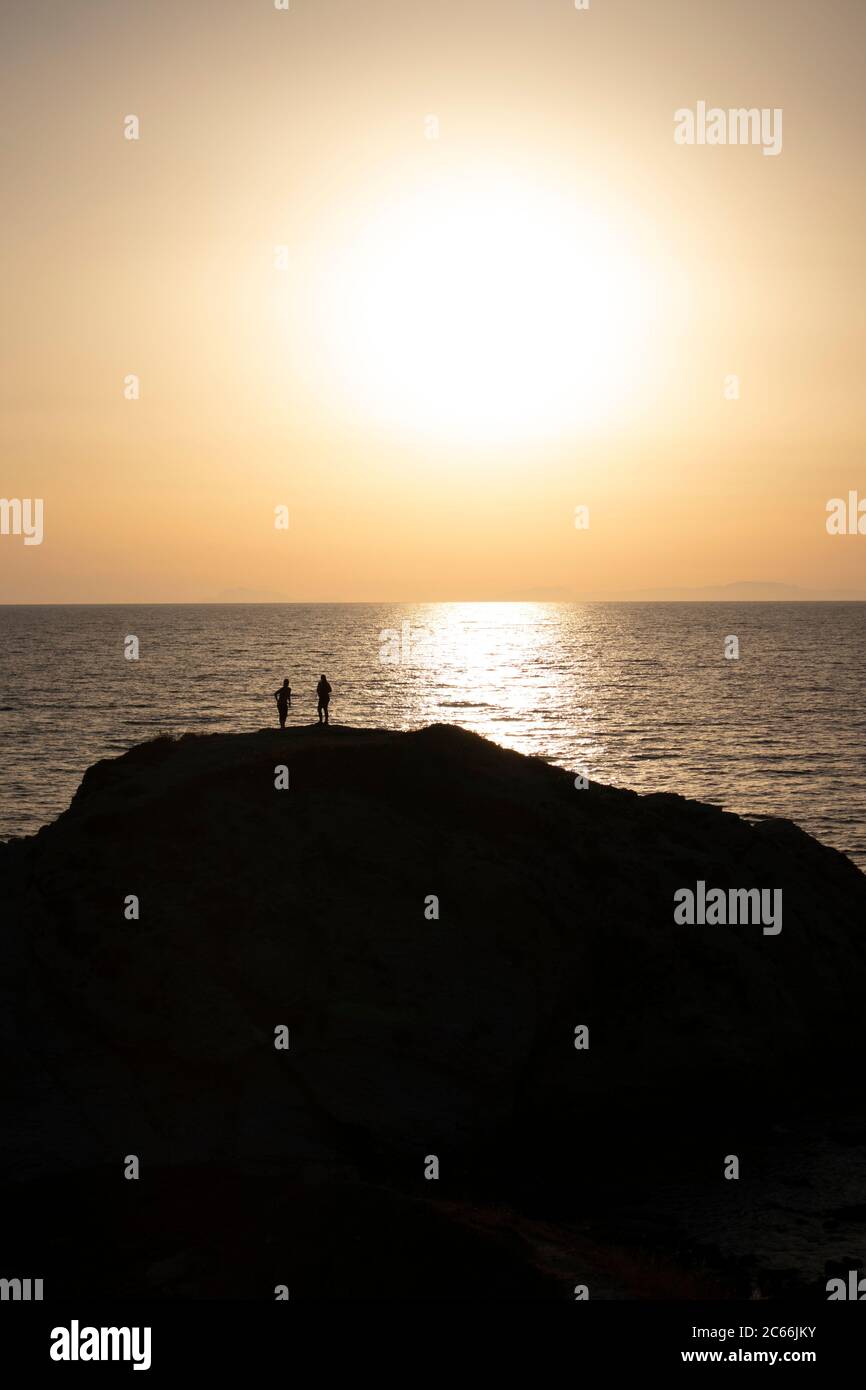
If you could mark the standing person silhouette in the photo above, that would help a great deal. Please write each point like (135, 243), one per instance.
(323, 690)
(283, 697)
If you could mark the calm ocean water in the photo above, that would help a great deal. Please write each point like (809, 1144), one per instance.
(636, 695)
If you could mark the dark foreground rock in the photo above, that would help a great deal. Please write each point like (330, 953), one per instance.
(409, 1037)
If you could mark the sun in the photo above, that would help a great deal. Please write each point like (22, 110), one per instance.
(485, 308)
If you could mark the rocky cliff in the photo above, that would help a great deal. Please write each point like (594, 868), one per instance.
(431, 918)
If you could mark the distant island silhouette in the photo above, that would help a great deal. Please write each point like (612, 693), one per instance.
(740, 591)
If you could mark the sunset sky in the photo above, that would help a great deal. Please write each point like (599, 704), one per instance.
(537, 308)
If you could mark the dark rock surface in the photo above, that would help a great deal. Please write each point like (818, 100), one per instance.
(409, 1037)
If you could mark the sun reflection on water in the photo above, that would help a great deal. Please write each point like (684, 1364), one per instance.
(508, 671)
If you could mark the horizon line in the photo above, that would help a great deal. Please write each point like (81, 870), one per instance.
(369, 603)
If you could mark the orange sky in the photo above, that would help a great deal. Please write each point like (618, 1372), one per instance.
(472, 335)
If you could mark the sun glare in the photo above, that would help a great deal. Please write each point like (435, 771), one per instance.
(483, 309)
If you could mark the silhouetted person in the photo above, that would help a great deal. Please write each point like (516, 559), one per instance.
(323, 690)
(283, 697)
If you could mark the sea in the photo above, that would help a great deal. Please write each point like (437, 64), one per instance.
(755, 707)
